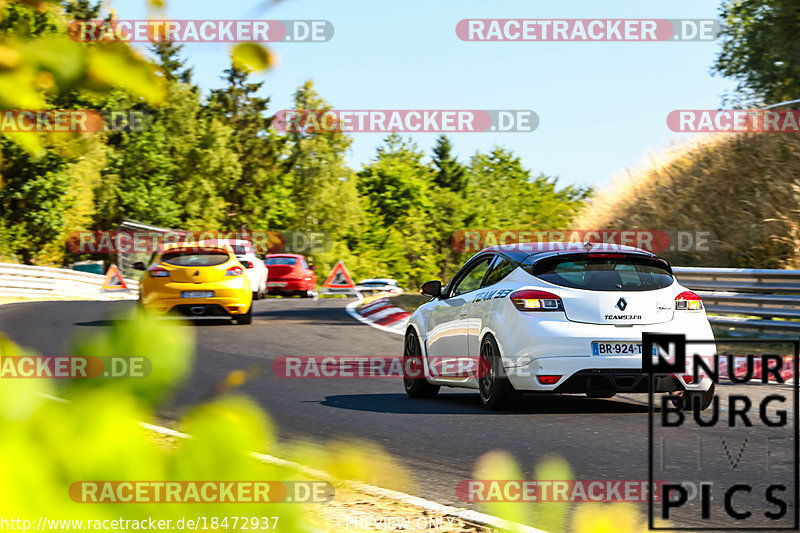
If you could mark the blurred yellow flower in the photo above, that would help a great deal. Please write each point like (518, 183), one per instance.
(608, 518)
(45, 80)
(9, 57)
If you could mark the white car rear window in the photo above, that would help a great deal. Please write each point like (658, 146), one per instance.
(614, 273)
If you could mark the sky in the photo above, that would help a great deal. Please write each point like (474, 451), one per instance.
(602, 106)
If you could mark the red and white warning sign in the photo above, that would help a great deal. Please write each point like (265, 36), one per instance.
(114, 279)
(339, 278)
(339, 282)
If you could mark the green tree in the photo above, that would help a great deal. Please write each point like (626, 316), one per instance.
(172, 65)
(504, 195)
(323, 186)
(450, 173)
(396, 188)
(176, 172)
(450, 212)
(396, 181)
(32, 201)
(48, 177)
(260, 197)
(760, 49)
(82, 9)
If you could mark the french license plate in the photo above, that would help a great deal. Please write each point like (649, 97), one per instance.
(276, 284)
(616, 348)
(197, 294)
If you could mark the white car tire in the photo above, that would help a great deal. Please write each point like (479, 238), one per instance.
(494, 387)
(418, 386)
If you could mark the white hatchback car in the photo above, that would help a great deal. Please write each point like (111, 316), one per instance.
(378, 285)
(255, 269)
(554, 317)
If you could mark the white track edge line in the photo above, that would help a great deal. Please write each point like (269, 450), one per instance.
(467, 515)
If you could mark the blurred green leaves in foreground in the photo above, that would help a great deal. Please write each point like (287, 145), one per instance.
(557, 517)
(96, 435)
(170, 349)
(44, 65)
(58, 432)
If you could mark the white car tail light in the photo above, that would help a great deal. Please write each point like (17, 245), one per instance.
(688, 301)
(533, 300)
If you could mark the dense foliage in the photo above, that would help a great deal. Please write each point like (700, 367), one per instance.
(212, 161)
(760, 46)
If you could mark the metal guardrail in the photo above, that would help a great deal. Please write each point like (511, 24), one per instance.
(126, 260)
(26, 281)
(748, 299)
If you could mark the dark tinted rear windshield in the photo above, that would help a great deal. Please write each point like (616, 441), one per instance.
(280, 261)
(195, 259)
(616, 272)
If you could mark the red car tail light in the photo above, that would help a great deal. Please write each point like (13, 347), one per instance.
(533, 300)
(158, 272)
(548, 380)
(688, 301)
(234, 271)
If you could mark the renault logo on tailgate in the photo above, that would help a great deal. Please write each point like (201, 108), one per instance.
(621, 304)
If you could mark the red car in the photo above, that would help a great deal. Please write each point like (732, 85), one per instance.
(290, 274)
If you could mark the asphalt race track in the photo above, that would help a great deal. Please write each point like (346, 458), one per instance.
(439, 440)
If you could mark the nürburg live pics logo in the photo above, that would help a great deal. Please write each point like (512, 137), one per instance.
(723, 447)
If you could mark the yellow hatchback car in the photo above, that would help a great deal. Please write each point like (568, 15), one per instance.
(196, 280)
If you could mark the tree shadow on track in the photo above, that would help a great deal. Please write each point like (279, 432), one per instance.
(321, 315)
(177, 321)
(307, 313)
(469, 403)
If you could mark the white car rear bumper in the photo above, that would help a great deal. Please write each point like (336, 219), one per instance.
(559, 347)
